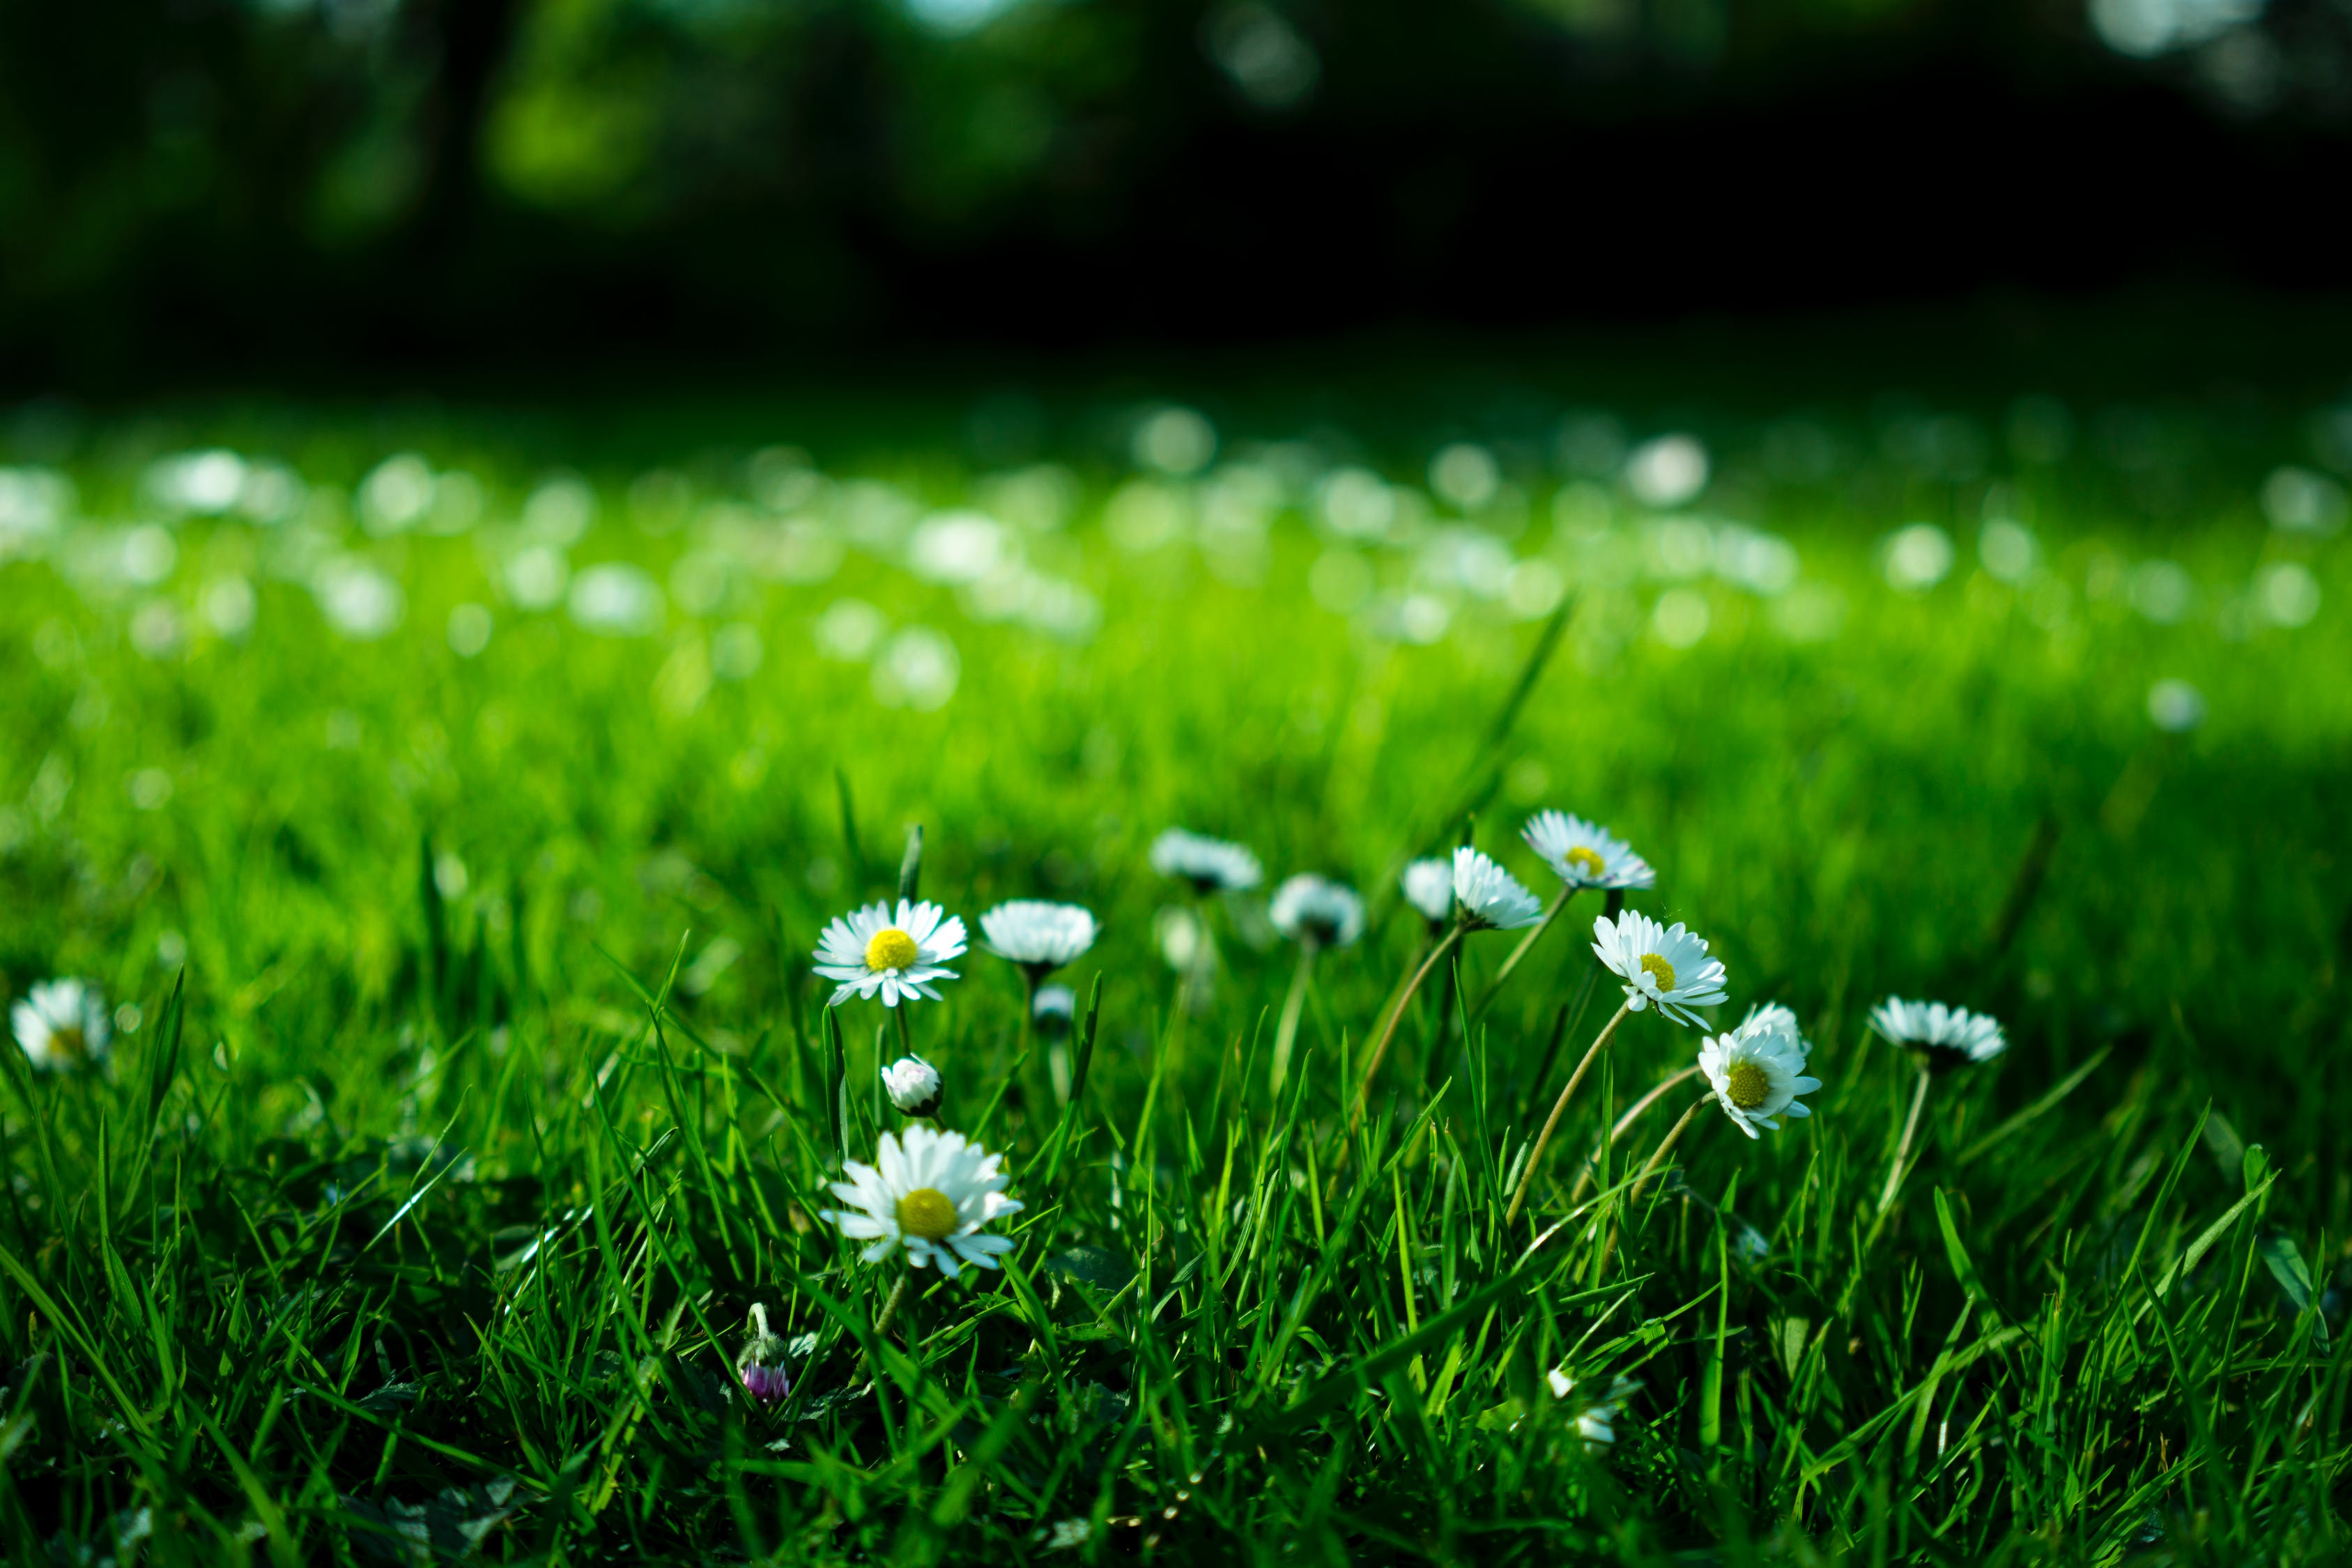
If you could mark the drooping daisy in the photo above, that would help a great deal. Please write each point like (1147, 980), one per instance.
(913, 1085)
(1758, 1070)
(871, 952)
(1952, 1037)
(1211, 865)
(1666, 967)
(1040, 937)
(928, 1193)
(1309, 908)
(1596, 1419)
(1487, 898)
(1429, 888)
(761, 1367)
(1585, 854)
(62, 1025)
(1055, 1010)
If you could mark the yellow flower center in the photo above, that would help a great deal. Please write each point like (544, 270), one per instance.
(1651, 964)
(1747, 1084)
(69, 1042)
(891, 949)
(1585, 861)
(926, 1211)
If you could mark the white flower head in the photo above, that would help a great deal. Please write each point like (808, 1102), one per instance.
(62, 1025)
(1759, 1070)
(1429, 888)
(1211, 865)
(1487, 898)
(1040, 937)
(1585, 854)
(1951, 1036)
(1665, 967)
(1309, 908)
(930, 1194)
(913, 1085)
(1055, 1010)
(1596, 1417)
(873, 951)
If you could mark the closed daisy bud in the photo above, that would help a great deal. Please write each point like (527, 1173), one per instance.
(913, 1085)
(1950, 1037)
(1211, 865)
(1429, 888)
(895, 954)
(1040, 937)
(1055, 1010)
(761, 1367)
(1759, 1070)
(1317, 910)
(1585, 854)
(62, 1026)
(1665, 967)
(1487, 898)
(928, 1194)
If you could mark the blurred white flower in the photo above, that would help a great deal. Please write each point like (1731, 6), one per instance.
(1667, 471)
(62, 1024)
(1917, 558)
(2286, 594)
(919, 668)
(2175, 706)
(616, 599)
(1175, 441)
(1211, 865)
(1950, 1036)
(358, 601)
(1429, 888)
(1039, 936)
(2300, 500)
(1310, 908)
(957, 547)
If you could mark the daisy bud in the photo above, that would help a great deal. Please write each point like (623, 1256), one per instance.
(1055, 1011)
(762, 1365)
(913, 1085)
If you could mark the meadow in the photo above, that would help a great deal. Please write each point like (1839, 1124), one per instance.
(448, 801)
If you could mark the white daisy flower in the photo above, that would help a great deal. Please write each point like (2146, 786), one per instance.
(929, 1193)
(1309, 908)
(62, 1024)
(1487, 898)
(1950, 1036)
(1211, 865)
(913, 1085)
(1055, 1009)
(1429, 888)
(1666, 967)
(1585, 854)
(1595, 1418)
(1759, 1070)
(1040, 937)
(871, 952)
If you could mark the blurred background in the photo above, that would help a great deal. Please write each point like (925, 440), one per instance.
(220, 191)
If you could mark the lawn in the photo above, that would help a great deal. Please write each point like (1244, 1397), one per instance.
(447, 802)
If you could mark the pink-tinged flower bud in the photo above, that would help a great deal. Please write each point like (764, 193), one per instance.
(762, 1364)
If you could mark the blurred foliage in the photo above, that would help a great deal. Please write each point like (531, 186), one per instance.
(374, 175)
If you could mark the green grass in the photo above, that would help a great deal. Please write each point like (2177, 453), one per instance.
(499, 1089)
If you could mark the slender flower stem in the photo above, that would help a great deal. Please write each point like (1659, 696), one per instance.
(1666, 1146)
(1584, 1181)
(1543, 1139)
(1902, 1150)
(906, 1030)
(889, 1311)
(1380, 1051)
(1287, 1033)
(1526, 943)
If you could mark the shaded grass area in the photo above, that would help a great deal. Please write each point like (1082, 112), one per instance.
(428, 1216)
